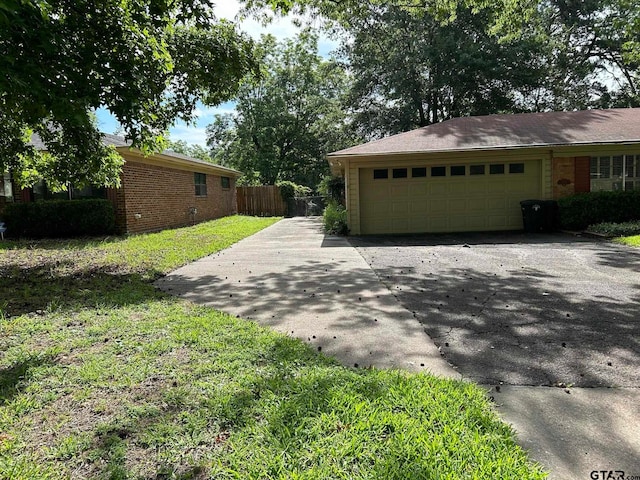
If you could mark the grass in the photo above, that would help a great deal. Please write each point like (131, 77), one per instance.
(102, 376)
(633, 241)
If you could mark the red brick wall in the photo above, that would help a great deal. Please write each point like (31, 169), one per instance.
(116, 196)
(157, 197)
(583, 174)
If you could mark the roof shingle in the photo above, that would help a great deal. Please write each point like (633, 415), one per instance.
(119, 142)
(523, 130)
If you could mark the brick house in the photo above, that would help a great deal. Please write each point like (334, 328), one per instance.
(164, 190)
(470, 173)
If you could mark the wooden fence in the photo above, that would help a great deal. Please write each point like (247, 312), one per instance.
(264, 201)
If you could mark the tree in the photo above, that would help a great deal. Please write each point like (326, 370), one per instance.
(593, 48)
(146, 61)
(286, 121)
(411, 69)
(191, 150)
(585, 53)
(415, 64)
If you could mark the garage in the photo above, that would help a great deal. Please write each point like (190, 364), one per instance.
(461, 197)
(471, 173)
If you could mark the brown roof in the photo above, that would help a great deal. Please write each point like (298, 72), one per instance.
(107, 139)
(620, 125)
(121, 143)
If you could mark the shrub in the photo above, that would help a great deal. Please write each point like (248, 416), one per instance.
(332, 188)
(579, 211)
(335, 219)
(625, 229)
(290, 190)
(60, 218)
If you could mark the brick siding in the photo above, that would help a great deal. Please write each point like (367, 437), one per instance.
(116, 196)
(155, 197)
(563, 177)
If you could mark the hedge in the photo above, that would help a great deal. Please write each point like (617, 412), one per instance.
(60, 218)
(579, 211)
(625, 229)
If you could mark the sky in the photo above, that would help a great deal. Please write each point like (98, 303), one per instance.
(195, 133)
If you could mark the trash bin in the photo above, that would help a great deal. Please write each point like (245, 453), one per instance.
(539, 215)
(532, 215)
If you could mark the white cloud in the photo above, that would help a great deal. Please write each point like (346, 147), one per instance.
(206, 113)
(227, 9)
(190, 134)
(280, 27)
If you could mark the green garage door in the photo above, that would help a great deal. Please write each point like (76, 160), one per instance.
(451, 198)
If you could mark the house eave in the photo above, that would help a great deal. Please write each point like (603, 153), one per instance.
(170, 161)
(334, 158)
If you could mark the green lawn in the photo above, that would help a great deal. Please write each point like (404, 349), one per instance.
(102, 376)
(633, 241)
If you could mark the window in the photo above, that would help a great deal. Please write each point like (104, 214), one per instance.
(516, 168)
(399, 173)
(88, 192)
(458, 170)
(476, 169)
(496, 168)
(6, 190)
(617, 165)
(593, 169)
(438, 171)
(605, 168)
(200, 180)
(418, 172)
(226, 182)
(632, 165)
(380, 173)
(615, 172)
(40, 191)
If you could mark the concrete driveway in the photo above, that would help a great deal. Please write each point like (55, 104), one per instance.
(292, 278)
(547, 310)
(549, 324)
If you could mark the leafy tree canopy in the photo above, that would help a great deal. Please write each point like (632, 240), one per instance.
(287, 120)
(585, 53)
(413, 70)
(192, 150)
(146, 61)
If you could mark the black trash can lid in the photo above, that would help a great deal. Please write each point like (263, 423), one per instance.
(527, 203)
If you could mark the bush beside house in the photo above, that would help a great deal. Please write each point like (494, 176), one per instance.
(335, 219)
(578, 212)
(332, 189)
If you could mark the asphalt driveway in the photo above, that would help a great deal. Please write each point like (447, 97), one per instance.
(518, 309)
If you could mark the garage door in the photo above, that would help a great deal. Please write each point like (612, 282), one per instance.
(446, 198)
